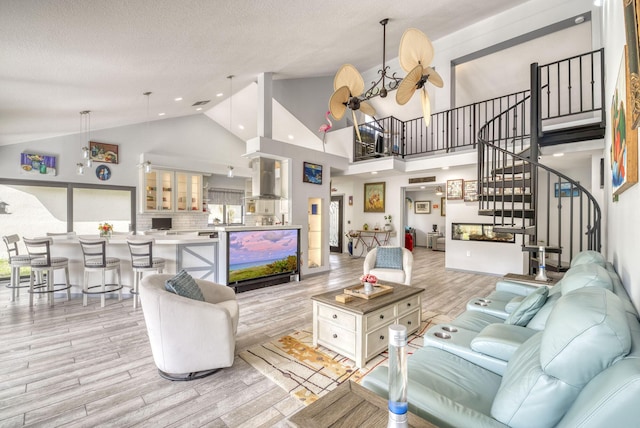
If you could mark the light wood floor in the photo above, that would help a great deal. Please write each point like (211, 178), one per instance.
(89, 366)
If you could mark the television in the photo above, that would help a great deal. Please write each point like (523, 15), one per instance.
(160, 223)
(262, 254)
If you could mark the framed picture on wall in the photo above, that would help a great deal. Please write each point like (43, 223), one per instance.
(470, 190)
(33, 163)
(312, 173)
(624, 138)
(101, 152)
(454, 189)
(374, 197)
(633, 60)
(443, 206)
(422, 207)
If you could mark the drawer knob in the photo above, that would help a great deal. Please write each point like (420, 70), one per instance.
(381, 337)
(409, 322)
(335, 336)
(408, 304)
(381, 316)
(335, 316)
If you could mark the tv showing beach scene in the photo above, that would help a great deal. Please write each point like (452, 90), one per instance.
(262, 253)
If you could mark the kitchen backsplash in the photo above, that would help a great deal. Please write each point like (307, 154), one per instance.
(179, 221)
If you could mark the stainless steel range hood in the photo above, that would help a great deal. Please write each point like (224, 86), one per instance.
(266, 178)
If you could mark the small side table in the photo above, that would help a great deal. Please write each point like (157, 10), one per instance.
(529, 280)
(349, 405)
(431, 238)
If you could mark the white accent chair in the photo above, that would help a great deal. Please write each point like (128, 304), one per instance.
(190, 339)
(400, 276)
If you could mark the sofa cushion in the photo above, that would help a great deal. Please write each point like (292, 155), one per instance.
(184, 285)
(513, 304)
(585, 275)
(586, 333)
(588, 257)
(388, 258)
(528, 307)
(501, 340)
(391, 275)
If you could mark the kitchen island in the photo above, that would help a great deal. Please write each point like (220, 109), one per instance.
(198, 255)
(251, 257)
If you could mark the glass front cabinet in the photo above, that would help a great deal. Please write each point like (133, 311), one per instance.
(170, 191)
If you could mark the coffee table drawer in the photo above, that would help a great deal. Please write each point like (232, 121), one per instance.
(410, 321)
(381, 317)
(337, 338)
(408, 305)
(337, 316)
(377, 341)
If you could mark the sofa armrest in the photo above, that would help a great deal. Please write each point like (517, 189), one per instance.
(429, 404)
(515, 287)
(501, 340)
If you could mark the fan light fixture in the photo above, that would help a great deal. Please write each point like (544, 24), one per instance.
(416, 53)
(79, 168)
(439, 191)
(230, 171)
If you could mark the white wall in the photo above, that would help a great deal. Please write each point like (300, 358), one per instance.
(621, 231)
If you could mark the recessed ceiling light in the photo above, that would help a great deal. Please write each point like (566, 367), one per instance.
(374, 172)
(579, 20)
(445, 167)
(199, 108)
(241, 126)
(422, 187)
(557, 155)
(219, 94)
(161, 114)
(290, 137)
(597, 3)
(177, 99)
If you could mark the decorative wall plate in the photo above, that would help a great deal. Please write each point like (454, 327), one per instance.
(103, 173)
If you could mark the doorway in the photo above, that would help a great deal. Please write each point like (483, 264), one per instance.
(335, 224)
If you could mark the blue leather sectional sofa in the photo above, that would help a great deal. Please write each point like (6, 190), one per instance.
(531, 356)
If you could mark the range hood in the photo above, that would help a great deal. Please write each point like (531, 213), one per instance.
(266, 178)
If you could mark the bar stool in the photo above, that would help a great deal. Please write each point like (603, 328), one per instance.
(41, 262)
(142, 260)
(94, 252)
(16, 261)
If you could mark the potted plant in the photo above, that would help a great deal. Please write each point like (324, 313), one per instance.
(387, 223)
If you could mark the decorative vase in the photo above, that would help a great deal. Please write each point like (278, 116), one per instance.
(105, 234)
(388, 227)
(368, 287)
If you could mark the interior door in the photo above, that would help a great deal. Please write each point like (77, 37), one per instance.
(335, 224)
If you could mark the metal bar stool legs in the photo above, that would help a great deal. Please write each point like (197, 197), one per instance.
(96, 260)
(16, 261)
(43, 263)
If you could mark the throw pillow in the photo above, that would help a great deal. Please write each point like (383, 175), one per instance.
(389, 258)
(529, 306)
(184, 285)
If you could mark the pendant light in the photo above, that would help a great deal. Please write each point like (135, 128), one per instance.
(85, 136)
(230, 171)
(147, 165)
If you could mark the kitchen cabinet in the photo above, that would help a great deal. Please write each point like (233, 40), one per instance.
(170, 191)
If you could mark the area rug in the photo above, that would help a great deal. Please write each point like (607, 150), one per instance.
(309, 372)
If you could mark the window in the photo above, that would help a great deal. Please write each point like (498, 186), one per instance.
(225, 206)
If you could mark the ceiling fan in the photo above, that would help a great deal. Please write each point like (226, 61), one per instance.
(416, 53)
(348, 85)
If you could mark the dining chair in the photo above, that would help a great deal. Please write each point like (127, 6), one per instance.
(43, 262)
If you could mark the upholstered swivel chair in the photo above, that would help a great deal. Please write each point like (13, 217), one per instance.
(386, 269)
(17, 261)
(189, 338)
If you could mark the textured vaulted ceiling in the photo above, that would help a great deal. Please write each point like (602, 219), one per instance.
(58, 57)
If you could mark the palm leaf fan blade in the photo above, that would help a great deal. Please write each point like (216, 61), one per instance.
(350, 77)
(426, 106)
(338, 102)
(433, 77)
(367, 109)
(408, 85)
(415, 49)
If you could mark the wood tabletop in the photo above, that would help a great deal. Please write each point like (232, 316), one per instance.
(349, 405)
(364, 306)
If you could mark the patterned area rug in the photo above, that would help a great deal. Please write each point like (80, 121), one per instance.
(309, 372)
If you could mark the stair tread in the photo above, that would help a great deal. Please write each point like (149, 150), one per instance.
(528, 230)
(547, 249)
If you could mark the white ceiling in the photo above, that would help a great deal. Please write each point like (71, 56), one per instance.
(60, 57)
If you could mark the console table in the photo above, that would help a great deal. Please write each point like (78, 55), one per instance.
(359, 329)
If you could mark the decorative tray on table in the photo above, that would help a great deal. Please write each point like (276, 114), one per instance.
(378, 290)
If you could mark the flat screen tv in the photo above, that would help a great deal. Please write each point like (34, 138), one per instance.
(161, 223)
(262, 253)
